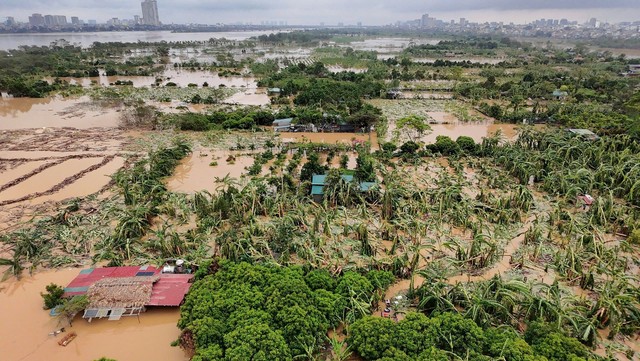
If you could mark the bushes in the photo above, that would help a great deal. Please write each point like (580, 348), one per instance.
(467, 145)
(555, 346)
(445, 146)
(451, 336)
(255, 312)
(53, 297)
(238, 119)
(193, 121)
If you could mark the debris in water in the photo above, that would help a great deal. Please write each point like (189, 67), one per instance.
(67, 339)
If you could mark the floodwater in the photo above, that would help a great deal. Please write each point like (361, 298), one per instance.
(389, 45)
(477, 131)
(253, 96)
(442, 117)
(22, 113)
(25, 327)
(195, 173)
(426, 95)
(90, 183)
(330, 138)
(13, 41)
(476, 60)
(47, 179)
(182, 77)
(9, 175)
(185, 77)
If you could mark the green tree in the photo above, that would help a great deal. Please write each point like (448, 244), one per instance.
(53, 297)
(370, 337)
(257, 342)
(413, 127)
(365, 171)
(311, 167)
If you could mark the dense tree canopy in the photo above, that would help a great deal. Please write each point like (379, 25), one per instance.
(255, 312)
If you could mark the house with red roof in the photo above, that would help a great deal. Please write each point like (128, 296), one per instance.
(114, 292)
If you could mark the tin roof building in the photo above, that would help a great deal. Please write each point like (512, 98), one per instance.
(115, 292)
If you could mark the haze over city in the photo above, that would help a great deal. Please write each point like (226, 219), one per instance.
(369, 12)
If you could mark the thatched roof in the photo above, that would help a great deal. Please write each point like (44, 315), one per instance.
(126, 292)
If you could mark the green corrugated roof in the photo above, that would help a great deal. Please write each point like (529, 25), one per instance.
(318, 181)
(365, 186)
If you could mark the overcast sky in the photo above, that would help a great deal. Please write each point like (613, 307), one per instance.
(369, 12)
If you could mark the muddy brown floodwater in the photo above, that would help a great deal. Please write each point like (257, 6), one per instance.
(47, 179)
(330, 138)
(195, 173)
(473, 130)
(21, 113)
(25, 328)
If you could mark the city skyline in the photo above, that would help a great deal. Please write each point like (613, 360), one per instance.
(379, 12)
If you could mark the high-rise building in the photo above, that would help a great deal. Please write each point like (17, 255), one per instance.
(150, 13)
(75, 20)
(36, 20)
(55, 20)
(424, 21)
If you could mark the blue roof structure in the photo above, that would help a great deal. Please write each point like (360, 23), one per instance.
(282, 122)
(318, 182)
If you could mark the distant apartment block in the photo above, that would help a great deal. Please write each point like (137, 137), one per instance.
(55, 20)
(150, 13)
(36, 20)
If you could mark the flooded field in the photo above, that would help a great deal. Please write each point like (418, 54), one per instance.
(250, 97)
(178, 76)
(475, 131)
(390, 45)
(478, 60)
(41, 167)
(24, 331)
(196, 172)
(330, 138)
(21, 113)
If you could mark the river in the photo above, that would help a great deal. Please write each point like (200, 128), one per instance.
(13, 41)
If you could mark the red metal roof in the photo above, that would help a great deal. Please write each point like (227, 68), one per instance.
(87, 277)
(170, 289)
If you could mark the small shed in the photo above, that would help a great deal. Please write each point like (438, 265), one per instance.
(584, 133)
(559, 94)
(273, 91)
(282, 122)
(282, 125)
